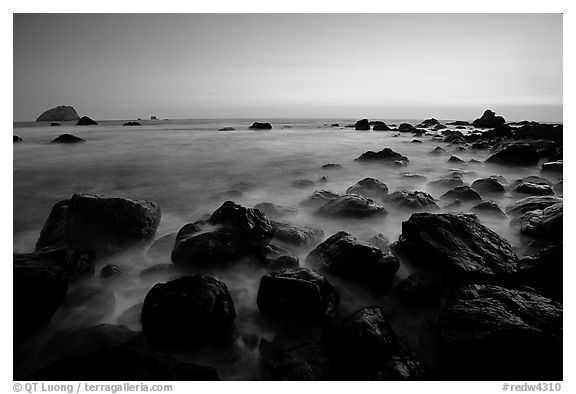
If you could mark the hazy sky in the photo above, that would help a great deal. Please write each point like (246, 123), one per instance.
(123, 66)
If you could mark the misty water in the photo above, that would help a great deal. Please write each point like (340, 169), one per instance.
(190, 168)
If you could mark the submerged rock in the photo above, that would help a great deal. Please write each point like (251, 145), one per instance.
(488, 186)
(319, 198)
(519, 154)
(159, 271)
(301, 236)
(351, 206)
(261, 126)
(275, 211)
(543, 223)
(191, 310)
(60, 113)
(448, 181)
(227, 129)
(455, 159)
(438, 151)
(331, 166)
(86, 121)
(67, 139)
(298, 293)
(162, 247)
(489, 208)
(463, 193)
(131, 124)
(369, 188)
(303, 183)
(385, 155)
(412, 200)
(494, 333)
(489, 120)
(534, 189)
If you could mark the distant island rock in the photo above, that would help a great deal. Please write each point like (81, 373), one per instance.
(60, 113)
(85, 121)
(261, 126)
(489, 120)
(131, 124)
(67, 139)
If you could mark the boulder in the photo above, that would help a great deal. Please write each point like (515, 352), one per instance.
(406, 127)
(462, 193)
(344, 256)
(131, 124)
(489, 208)
(448, 181)
(190, 310)
(429, 122)
(351, 206)
(494, 333)
(488, 186)
(438, 151)
(86, 121)
(502, 131)
(545, 223)
(261, 126)
(381, 242)
(273, 257)
(369, 188)
(60, 113)
(381, 127)
(553, 166)
(319, 198)
(519, 154)
(250, 223)
(539, 131)
(75, 264)
(489, 120)
(455, 159)
(531, 204)
(227, 129)
(457, 245)
(99, 224)
(412, 200)
(300, 236)
(534, 189)
(419, 290)
(67, 139)
(386, 155)
(459, 123)
(131, 317)
(275, 211)
(362, 125)
(15, 138)
(332, 166)
(297, 293)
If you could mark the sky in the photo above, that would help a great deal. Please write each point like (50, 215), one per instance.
(386, 66)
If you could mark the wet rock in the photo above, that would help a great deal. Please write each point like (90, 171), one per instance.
(273, 257)
(531, 204)
(463, 193)
(519, 154)
(131, 317)
(298, 293)
(429, 122)
(553, 166)
(415, 177)
(162, 247)
(98, 224)
(419, 290)
(362, 125)
(489, 208)
(502, 131)
(412, 200)
(331, 166)
(60, 113)
(406, 128)
(319, 198)
(131, 124)
(381, 127)
(369, 188)
(494, 333)
(455, 159)
(533, 189)
(438, 151)
(489, 120)
(252, 224)
(559, 187)
(480, 145)
(261, 126)
(546, 223)
(543, 271)
(539, 131)
(85, 121)
(275, 211)
(386, 155)
(415, 141)
(488, 186)
(334, 125)
(459, 123)
(301, 236)
(448, 181)
(351, 206)
(15, 138)
(532, 179)
(456, 245)
(191, 310)
(87, 305)
(68, 139)
(351, 259)
(39, 287)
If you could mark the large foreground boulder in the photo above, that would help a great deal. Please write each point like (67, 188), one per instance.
(351, 259)
(489, 120)
(517, 154)
(60, 113)
(99, 224)
(351, 206)
(533, 189)
(412, 200)
(494, 333)
(297, 293)
(456, 245)
(190, 310)
(531, 204)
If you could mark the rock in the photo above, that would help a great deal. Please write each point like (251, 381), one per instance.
(131, 124)
(463, 193)
(162, 247)
(455, 159)
(74, 263)
(539, 131)
(113, 272)
(543, 271)
(403, 368)
(439, 127)
(448, 181)
(55, 124)
(438, 151)
(298, 293)
(15, 138)
(502, 131)
(489, 120)
(406, 127)
(67, 139)
(351, 206)
(494, 333)
(534, 189)
(369, 188)
(546, 223)
(261, 126)
(85, 121)
(99, 224)
(489, 208)
(250, 223)
(419, 290)
(381, 127)
(488, 186)
(361, 344)
(191, 310)
(362, 125)
(303, 183)
(319, 198)
(158, 272)
(273, 257)
(456, 245)
(412, 200)
(275, 211)
(479, 145)
(531, 204)
(60, 113)
(516, 154)
(39, 287)
(153, 117)
(331, 166)
(429, 122)
(227, 129)
(87, 305)
(559, 187)
(385, 155)
(300, 236)
(553, 166)
(347, 257)
(294, 355)
(131, 317)
(334, 125)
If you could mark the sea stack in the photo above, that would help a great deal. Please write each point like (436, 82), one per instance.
(60, 113)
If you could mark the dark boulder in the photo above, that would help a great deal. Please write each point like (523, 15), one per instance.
(406, 128)
(534, 189)
(419, 290)
(488, 186)
(300, 236)
(60, 113)
(86, 121)
(298, 293)
(319, 198)
(344, 256)
(252, 224)
(261, 126)
(227, 129)
(74, 263)
(273, 257)
(489, 120)
(402, 367)
(55, 124)
(15, 138)
(502, 131)
(351, 206)
(489, 208)
(553, 166)
(412, 200)
(386, 155)
(191, 310)
(275, 211)
(380, 127)
(68, 139)
(539, 131)
(459, 123)
(456, 160)
(369, 188)
(99, 224)
(457, 245)
(462, 193)
(516, 154)
(531, 204)
(131, 124)
(362, 125)
(429, 122)
(494, 333)
(545, 223)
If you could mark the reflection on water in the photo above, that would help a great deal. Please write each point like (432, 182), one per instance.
(190, 168)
